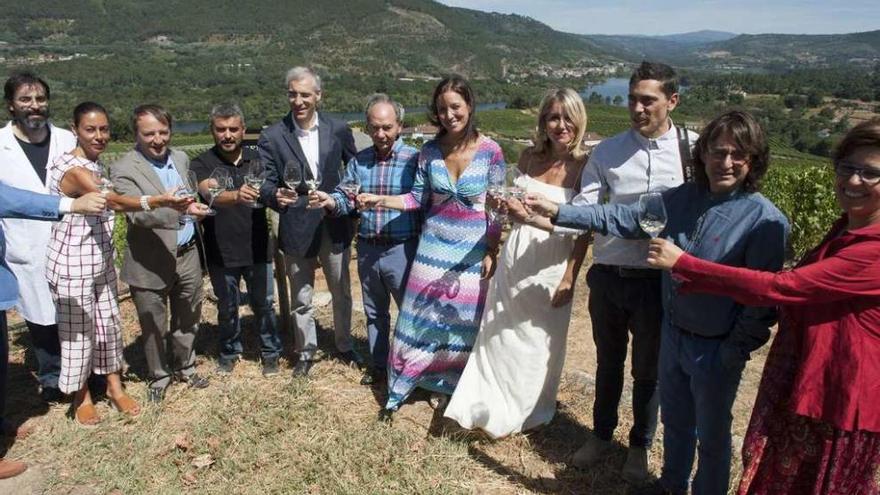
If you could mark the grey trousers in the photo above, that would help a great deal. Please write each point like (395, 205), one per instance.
(184, 297)
(301, 273)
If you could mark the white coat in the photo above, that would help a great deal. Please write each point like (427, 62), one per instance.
(28, 240)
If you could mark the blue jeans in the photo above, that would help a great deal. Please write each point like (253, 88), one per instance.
(696, 396)
(383, 271)
(47, 348)
(258, 278)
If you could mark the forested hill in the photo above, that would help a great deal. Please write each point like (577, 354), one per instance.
(749, 51)
(791, 50)
(399, 37)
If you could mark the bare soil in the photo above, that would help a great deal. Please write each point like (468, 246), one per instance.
(439, 457)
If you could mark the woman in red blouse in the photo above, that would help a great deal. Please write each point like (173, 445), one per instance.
(815, 428)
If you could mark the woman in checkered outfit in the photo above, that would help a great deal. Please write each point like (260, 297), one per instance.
(82, 277)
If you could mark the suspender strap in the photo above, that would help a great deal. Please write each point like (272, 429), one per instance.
(684, 150)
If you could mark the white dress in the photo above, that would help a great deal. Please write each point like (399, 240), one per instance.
(510, 381)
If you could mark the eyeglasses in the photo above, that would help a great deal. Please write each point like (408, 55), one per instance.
(868, 175)
(737, 157)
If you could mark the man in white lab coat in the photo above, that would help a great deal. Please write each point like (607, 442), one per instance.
(28, 143)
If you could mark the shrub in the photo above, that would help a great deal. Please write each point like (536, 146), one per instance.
(805, 193)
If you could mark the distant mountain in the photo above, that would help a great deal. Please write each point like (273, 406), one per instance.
(697, 37)
(719, 50)
(792, 50)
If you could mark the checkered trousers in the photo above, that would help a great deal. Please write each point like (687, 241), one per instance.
(88, 327)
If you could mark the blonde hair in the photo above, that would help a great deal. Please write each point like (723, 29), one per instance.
(573, 109)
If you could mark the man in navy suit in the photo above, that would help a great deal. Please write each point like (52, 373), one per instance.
(318, 147)
(20, 203)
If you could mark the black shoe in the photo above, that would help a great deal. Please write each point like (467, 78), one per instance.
(225, 366)
(270, 366)
(374, 377)
(195, 381)
(385, 415)
(302, 367)
(351, 357)
(51, 395)
(155, 395)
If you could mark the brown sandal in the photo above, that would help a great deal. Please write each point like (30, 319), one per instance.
(126, 405)
(86, 416)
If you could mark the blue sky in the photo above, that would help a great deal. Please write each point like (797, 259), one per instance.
(679, 16)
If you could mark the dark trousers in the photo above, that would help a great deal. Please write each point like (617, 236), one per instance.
(260, 286)
(47, 348)
(620, 306)
(4, 362)
(171, 350)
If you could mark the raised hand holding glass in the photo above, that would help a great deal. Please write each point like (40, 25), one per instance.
(652, 214)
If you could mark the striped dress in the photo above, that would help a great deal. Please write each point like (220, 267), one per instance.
(444, 297)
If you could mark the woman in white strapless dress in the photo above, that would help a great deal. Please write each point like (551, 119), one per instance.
(510, 381)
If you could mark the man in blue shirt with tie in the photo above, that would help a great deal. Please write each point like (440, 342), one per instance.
(161, 260)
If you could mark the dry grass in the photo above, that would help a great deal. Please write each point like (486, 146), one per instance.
(249, 434)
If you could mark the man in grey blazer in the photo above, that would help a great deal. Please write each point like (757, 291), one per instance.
(318, 147)
(161, 260)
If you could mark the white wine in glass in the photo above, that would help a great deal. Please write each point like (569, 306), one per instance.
(652, 214)
(104, 186)
(255, 176)
(218, 182)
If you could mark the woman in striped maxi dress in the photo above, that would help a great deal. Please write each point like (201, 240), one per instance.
(446, 289)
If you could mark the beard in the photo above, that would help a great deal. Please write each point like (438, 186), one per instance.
(24, 118)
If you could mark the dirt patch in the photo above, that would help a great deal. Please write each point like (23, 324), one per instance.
(256, 435)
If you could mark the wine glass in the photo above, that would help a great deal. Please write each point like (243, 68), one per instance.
(187, 189)
(255, 175)
(351, 186)
(495, 187)
(292, 178)
(496, 182)
(514, 190)
(218, 181)
(102, 181)
(314, 181)
(652, 214)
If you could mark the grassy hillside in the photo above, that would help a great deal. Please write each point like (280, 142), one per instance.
(191, 54)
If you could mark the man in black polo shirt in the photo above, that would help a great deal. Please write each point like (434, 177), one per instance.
(237, 241)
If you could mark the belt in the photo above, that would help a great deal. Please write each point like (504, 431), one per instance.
(624, 272)
(381, 241)
(186, 246)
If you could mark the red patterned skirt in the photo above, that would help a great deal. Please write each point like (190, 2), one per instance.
(785, 453)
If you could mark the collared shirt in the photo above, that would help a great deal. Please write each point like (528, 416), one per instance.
(620, 169)
(737, 229)
(308, 140)
(238, 235)
(170, 178)
(392, 176)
